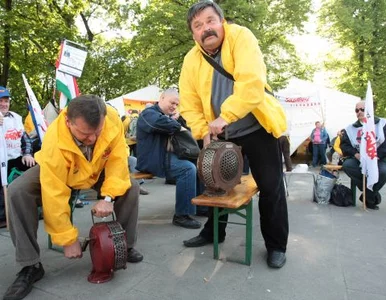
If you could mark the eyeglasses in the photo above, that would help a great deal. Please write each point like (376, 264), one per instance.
(357, 110)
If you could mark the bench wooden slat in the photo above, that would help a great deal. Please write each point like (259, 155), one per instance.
(241, 194)
(140, 175)
(332, 167)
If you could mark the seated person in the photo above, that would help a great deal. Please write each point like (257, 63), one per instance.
(19, 146)
(83, 148)
(155, 125)
(350, 146)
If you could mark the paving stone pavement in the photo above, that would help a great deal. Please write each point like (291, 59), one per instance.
(333, 253)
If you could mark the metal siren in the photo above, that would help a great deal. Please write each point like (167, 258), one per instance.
(220, 167)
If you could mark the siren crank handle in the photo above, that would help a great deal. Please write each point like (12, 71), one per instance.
(84, 243)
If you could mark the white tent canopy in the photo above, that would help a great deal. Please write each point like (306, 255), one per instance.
(150, 93)
(306, 102)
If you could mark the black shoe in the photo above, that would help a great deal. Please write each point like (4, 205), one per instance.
(24, 282)
(133, 256)
(197, 241)
(186, 221)
(79, 203)
(368, 205)
(372, 206)
(276, 259)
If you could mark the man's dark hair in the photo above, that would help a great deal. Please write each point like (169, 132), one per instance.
(195, 9)
(89, 107)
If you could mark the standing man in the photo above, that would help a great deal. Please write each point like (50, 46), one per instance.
(211, 101)
(83, 148)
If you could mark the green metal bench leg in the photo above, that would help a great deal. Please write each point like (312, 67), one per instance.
(215, 232)
(354, 192)
(248, 234)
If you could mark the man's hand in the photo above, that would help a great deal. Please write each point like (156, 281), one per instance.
(357, 156)
(175, 116)
(73, 251)
(206, 140)
(217, 126)
(28, 161)
(103, 208)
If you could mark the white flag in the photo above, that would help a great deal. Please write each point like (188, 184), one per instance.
(368, 148)
(36, 111)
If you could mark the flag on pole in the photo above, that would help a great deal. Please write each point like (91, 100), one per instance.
(36, 111)
(68, 87)
(368, 147)
(3, 157)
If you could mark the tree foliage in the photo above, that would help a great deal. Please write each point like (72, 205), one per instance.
(163, 33)
(359, 27)
(31, 32)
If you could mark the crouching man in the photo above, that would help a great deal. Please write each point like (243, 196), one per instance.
(83, 148)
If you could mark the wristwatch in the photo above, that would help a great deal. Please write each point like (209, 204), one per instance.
(107, 199)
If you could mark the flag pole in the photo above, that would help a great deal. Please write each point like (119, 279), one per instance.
(5, 191)
(4, 173)
(364, 192)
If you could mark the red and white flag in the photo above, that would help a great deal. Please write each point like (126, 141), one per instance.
(368, 148)
(36, 111)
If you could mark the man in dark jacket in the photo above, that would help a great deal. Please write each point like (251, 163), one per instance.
(350, 146)
(154, 155)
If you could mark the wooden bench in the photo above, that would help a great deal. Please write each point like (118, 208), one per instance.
(237, 199)
(140, 175)
(352, 184)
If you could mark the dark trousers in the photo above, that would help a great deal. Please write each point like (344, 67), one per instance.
(351, 167)
(265, 161)
(318, 151)
(285, 149)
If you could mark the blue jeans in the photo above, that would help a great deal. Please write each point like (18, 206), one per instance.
(185, 174)
(318, 150)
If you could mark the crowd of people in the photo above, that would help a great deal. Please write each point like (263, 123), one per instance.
(223, 84)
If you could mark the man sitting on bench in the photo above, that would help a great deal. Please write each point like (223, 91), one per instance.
(155, 125)
(82, 149)
(350, 145)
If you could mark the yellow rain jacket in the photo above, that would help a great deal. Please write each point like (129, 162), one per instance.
(241, 57)
(63, 167)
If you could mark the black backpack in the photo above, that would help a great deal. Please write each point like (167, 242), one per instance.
(341, 195)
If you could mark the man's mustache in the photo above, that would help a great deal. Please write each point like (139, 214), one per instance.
(208, 34)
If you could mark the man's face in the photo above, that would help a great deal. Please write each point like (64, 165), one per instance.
(360, 110)
(169, 104)
(208, 30)
(83, 132)
(4, 105)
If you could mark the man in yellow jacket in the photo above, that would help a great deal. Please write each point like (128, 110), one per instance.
(238, 99)
(83, 148)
